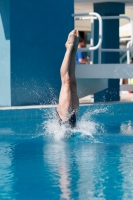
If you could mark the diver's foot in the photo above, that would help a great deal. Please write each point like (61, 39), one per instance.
(76, 40)
(71, 40)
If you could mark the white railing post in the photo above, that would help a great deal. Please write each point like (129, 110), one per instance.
(128, 52)
(92, 40)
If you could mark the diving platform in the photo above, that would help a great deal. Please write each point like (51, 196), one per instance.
(103, 71)
(94, 78)
(98, 78)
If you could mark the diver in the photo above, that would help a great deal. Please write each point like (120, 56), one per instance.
(68, 100)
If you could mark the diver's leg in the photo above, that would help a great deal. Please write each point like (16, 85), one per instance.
(65, 93)
(65, 98)
(74, 96)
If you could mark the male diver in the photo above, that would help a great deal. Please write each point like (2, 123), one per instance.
(68, 100)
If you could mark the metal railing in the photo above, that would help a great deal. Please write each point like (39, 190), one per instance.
(93, 16)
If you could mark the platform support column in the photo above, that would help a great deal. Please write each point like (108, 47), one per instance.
(110, 40)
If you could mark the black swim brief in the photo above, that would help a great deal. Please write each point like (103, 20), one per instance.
(71, 122)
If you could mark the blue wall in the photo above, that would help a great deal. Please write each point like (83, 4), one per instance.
(32, 38)
(5, 88)
(38, 33)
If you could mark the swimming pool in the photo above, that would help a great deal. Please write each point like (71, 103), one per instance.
(38, 160)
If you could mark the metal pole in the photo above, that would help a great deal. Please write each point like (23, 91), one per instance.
(128, 52)
(91, 41)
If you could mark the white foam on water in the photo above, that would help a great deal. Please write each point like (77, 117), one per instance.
(127, 128)
(85, 125)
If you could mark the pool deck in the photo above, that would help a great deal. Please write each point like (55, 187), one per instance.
(88, 100)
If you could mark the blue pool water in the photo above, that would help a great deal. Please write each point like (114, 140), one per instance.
(38, 160)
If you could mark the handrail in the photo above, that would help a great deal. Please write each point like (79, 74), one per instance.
(117, 50)
(128, 52)
(93, 16)
(100, 30)
(123, 49)
(122, 17)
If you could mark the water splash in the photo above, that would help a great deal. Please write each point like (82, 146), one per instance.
(86, 126)
(127, 128)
